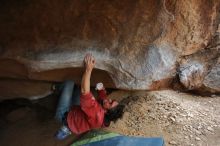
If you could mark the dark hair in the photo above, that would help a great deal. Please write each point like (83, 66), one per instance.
(114, 114)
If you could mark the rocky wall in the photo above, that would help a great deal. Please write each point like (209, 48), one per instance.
(138, 45)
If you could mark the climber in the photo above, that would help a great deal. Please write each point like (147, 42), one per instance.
(81, 113)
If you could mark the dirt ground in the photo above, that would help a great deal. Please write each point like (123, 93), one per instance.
(181, 119)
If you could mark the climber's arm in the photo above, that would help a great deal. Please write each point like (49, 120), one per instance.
(89, 61)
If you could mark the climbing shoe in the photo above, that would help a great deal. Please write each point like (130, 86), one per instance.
(62, 133)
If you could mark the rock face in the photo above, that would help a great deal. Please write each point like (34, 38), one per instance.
(201, 71)
(191, 75)
(138, 44)
(212, 80)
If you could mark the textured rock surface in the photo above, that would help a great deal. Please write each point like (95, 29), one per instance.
(212, 80)
(197, 76)
(200, 71)
(191, 75)
(137, 44)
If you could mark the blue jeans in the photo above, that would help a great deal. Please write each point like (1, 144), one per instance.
(70, 96)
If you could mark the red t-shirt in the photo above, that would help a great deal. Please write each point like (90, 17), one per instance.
(88, 115)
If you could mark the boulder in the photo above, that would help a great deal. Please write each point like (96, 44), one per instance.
(138, 45)
(212, 79)
(191, 75)
(201, 71)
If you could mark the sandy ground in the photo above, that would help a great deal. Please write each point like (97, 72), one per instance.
(180, 118)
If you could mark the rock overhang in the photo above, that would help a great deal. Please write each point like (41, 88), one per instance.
(137, 43)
